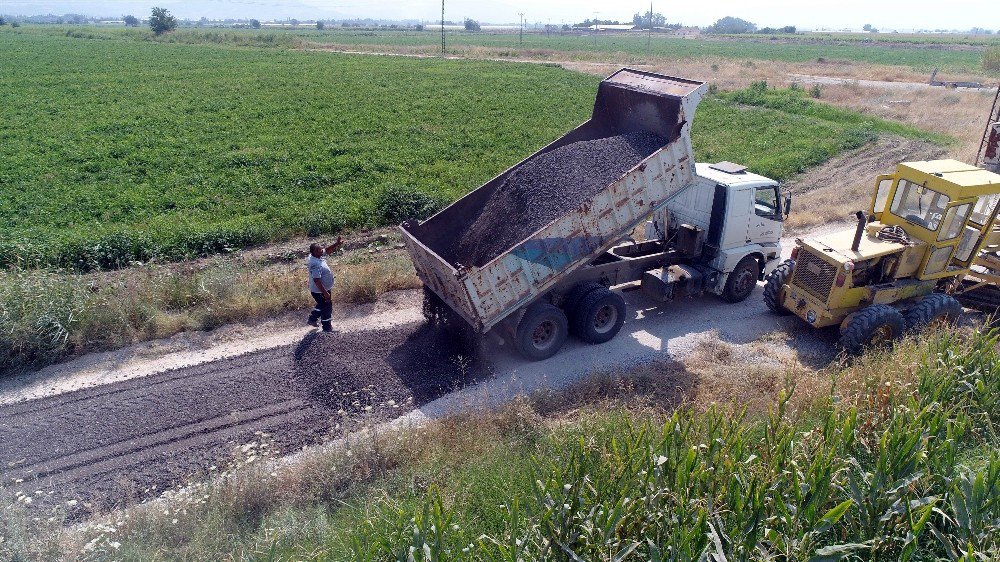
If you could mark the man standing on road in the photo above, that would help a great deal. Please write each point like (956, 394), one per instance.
(320, 284)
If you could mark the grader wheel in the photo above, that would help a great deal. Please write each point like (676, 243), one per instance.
(876, 325)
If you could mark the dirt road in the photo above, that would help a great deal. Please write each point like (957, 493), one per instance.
(119, 442)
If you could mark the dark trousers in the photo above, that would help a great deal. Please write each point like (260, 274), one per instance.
(323, 311)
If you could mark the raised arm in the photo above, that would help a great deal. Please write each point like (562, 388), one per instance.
(335, 246)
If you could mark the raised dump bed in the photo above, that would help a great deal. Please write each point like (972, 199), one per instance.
(632, 105)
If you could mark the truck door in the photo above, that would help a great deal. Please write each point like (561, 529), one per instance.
(765, 223)
(737, 213)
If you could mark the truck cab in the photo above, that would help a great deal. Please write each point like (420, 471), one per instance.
(741, 213)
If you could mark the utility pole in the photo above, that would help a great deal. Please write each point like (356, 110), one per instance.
(442, 27)
(649, 32)
(520, 35)
(595, 29)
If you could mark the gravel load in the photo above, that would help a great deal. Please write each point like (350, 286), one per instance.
(546, 187)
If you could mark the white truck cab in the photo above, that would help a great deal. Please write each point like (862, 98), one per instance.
(741, 213)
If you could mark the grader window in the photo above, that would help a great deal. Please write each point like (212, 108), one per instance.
(953, 222)
(919, 205)
(881, 195)
(983, 210)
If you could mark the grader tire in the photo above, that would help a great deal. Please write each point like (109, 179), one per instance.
(878, 324)
(772, 287)
(933, 309)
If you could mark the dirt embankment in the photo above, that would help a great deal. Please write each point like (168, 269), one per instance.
(844, 184)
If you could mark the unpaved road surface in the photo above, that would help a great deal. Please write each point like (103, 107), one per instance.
(120, 442)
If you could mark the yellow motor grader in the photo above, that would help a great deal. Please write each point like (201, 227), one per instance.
(929, 235)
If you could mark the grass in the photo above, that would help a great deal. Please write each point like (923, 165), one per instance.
(898, 461)
(991, 59)
(117, 151)
(47, 316)
(174, 150)
(572, 45)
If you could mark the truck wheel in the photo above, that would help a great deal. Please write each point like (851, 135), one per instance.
(878, 324)
(774, 293)
(742, 280)
(599, 317)
(542, 331)
(931, 310)
(571, 302)
(576, 294)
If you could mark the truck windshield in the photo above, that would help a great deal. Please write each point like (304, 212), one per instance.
(919, 205)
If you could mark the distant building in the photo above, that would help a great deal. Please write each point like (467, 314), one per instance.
(603, 27)
(687, 32)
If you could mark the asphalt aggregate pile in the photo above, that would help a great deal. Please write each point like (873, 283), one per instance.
(545, 188)
(378, 372)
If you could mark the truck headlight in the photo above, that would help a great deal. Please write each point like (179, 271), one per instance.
(811, 316)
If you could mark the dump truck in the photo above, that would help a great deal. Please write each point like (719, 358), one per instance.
(928, 243)
(709, 228)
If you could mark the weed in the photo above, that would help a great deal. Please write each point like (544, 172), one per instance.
(991, 59)
(816, 91)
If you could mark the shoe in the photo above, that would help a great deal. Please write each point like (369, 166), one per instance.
(313, 323)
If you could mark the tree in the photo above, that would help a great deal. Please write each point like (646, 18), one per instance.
(255, 24)
(3, 22)
(419, 27)
(160, 21)
(131, 21)
(319, 25)
(293, 21)
(642, 20)
(472, 25)
(867, 27)
(731, 25)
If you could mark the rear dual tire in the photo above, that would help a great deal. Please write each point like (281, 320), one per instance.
(881, 325)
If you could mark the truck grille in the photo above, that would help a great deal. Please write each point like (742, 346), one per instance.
(814, 274)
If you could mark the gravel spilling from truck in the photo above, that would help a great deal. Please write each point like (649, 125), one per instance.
(545, 188)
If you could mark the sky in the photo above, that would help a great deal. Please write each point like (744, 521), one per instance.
(888, 14)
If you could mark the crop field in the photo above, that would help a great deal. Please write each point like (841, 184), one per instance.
(919, 57)
(117, 151)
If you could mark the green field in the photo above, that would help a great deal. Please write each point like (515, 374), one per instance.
(117, 150)
(918, 57)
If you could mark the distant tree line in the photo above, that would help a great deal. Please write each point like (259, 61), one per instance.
(777, 30)
(730, 25)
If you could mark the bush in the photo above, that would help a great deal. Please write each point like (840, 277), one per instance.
(400, 203)
(472, 25)
(991, 59)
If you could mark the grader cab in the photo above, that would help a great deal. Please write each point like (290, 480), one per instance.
(928, 235)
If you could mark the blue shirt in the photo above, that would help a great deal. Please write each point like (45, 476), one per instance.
(318, 269)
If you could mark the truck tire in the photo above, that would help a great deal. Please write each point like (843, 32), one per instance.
(542, 331)
(773, 293)
(742, 280)
(599, 316)
(571, 302)
(933, 309)
(878, 324)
